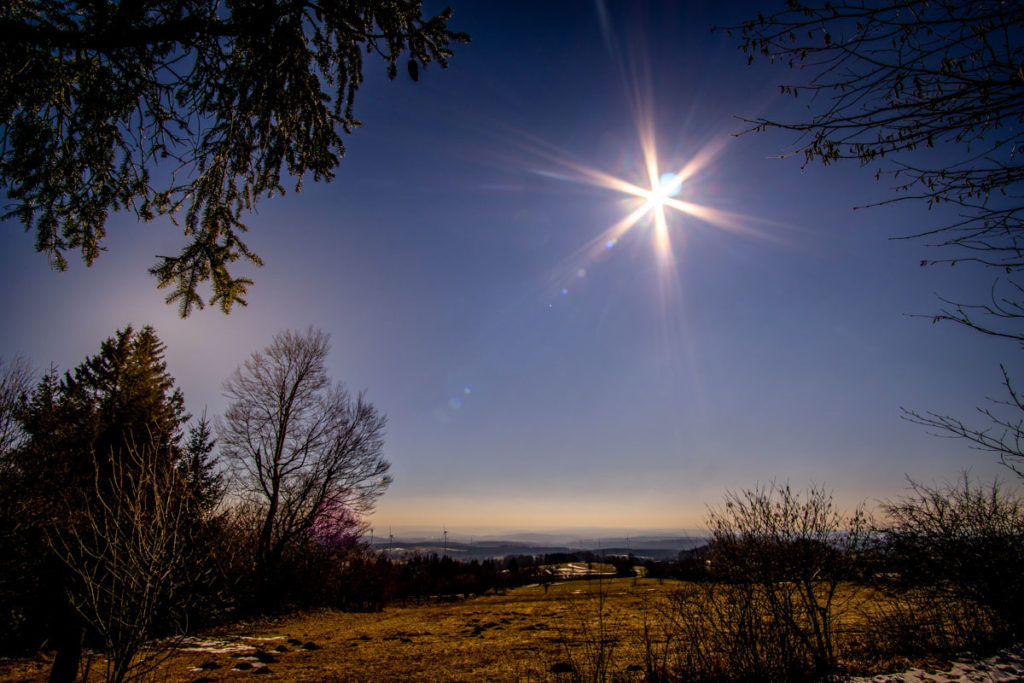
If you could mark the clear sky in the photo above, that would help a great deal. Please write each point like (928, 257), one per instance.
(537, 374)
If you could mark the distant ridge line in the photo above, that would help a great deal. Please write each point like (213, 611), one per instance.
(640, 547)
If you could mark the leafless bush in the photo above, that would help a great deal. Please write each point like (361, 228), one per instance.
(724, 633)
(781, 563)
(916, 623)
(789, 596)
(589, 647)
(130, 554)
(960, 542)
(782, 555)
(657, 638)
(602, 643)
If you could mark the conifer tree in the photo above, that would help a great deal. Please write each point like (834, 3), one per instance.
(92, 438)
(192, 110)
(130, 394)
(199, 465)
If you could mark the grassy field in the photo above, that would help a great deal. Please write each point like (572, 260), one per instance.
(528, 634)
(517, 636)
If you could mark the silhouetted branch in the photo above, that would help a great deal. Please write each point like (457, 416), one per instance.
(1004, 435)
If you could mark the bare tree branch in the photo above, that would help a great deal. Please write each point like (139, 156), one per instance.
(16, 380)
(129, 550)
(300, 448)
(886, 80)
(1004, 435)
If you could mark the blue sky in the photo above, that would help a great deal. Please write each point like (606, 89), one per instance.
(531, 383)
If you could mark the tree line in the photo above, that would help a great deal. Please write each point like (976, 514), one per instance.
(123, 518)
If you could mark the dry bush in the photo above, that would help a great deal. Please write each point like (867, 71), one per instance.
(780, 563)
(721, 633)
(724, 633)
(782, 555)
(799, 591)
(919, 623)
(952, 556)
(656, 641)
(964, 539)
(620, 635)
(709, 631)
(130, 556)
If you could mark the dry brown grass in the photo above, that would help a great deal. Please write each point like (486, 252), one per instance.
(517, 636)
(605, 629)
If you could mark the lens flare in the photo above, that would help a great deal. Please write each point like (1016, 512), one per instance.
(654, 201)
(657, 198)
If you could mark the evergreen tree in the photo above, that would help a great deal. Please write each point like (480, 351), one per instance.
(23, 506)
(131, 396)
(103, 433)
(192, 109)
(200, 465)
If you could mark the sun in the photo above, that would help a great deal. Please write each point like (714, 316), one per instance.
(664, 198)
(668, 186)
(658, 198)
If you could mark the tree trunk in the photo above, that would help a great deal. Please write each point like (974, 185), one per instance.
(67, 641)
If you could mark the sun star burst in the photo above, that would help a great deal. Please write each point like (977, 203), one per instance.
(660, 195)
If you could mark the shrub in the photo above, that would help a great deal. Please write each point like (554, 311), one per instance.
(780, 556)
(960, 541)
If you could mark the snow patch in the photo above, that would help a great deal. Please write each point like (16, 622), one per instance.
(1003, 667)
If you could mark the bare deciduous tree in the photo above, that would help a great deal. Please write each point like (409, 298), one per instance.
(883, 79)
(299, 446)
(1003, 435)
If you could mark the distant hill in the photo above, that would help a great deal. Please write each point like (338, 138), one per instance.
(654, 548)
